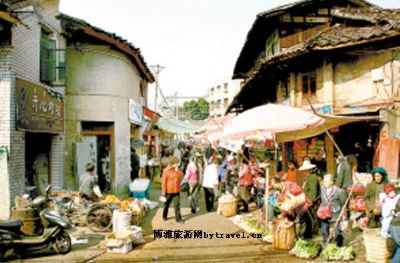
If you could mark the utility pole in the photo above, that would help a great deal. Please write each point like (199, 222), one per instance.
(156, 69)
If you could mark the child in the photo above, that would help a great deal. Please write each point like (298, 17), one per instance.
(388, 200)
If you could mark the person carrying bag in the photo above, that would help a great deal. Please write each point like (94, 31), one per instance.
(332, 201)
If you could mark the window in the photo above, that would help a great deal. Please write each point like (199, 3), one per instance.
(52, 61)
(212, 91)
(225, 87)
(225, 103)
(309, 84)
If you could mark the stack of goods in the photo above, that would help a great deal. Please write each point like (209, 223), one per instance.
(377, 248)
(137, 209)
(31, 224)
(227, 205)
(306, 249)
(333, 252)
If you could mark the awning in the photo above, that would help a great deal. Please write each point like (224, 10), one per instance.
(177, 126)
(329, 123)
(7, 17)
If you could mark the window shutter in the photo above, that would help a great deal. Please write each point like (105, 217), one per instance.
(47, 60)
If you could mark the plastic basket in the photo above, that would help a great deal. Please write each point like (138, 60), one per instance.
(377, 248)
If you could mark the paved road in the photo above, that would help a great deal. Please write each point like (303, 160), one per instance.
(245, 249)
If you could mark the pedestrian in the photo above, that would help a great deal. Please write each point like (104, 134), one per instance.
(311, 188)
(372, 191)
(388, 200)
(135, 165)
(210, 183)
(192, 176)
(232, 172)
(311, 184)
(394, 231)
(245, 184)
(332, 199)
(222, 168)
(89, 189)
(291, 173)
(345, 169)
(171, 187)
(320, 162)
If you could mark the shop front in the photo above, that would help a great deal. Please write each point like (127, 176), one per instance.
(40, 115)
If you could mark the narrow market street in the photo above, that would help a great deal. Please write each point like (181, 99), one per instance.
(183, 250)
(186, 131)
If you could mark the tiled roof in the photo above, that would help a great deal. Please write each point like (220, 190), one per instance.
(118, 42)
(381, 24)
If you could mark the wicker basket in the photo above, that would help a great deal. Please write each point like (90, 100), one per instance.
(377, 248)
(228, 209)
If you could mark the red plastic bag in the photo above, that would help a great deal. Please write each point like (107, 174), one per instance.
(357, 204)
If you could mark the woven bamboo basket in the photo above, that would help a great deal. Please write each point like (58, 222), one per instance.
(228, 209)
(377, 248)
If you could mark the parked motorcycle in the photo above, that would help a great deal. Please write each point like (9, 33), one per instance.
(53, 235)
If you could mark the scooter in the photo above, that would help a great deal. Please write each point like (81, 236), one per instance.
(54, 236)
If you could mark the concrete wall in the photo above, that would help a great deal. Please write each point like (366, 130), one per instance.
(99, 84)
(356, 78)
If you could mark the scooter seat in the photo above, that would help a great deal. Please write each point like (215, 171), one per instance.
(10, 224)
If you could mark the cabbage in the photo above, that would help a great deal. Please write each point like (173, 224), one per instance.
(306, 249)
(333, 252)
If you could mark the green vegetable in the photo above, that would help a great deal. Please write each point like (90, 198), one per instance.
(333, 252)
(306, 249)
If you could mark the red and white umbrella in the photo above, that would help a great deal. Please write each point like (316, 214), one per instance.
(265, 121)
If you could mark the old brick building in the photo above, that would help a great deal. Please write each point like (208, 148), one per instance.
(31, 95)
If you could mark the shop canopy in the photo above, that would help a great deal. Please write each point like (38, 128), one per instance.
(265, 121)
(282, 123)
(330, 121)
(177, 126)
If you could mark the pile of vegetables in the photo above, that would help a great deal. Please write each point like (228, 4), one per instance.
(333, 252)
(306, 249)
(258, 228)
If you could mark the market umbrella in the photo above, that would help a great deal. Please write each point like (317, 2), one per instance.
(265, 121)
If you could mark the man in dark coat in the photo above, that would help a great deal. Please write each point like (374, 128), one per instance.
(345, 170)
(135, 165)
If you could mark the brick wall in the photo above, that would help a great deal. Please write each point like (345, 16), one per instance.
(22, 60)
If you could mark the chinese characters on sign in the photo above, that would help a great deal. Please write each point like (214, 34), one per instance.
(38, 109)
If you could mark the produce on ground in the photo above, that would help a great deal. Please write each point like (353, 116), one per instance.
(333, 252)
(111, 199)
(306, 249)
(258, 228)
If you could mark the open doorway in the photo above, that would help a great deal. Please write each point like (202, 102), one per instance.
(37, 160)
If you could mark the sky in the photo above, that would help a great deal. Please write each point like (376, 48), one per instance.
(197, 41)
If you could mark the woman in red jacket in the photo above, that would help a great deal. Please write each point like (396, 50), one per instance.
(171, 187)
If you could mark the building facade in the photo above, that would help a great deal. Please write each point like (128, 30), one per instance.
(32, 73)
(106, 90)
(336, 57)
(220, 95)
